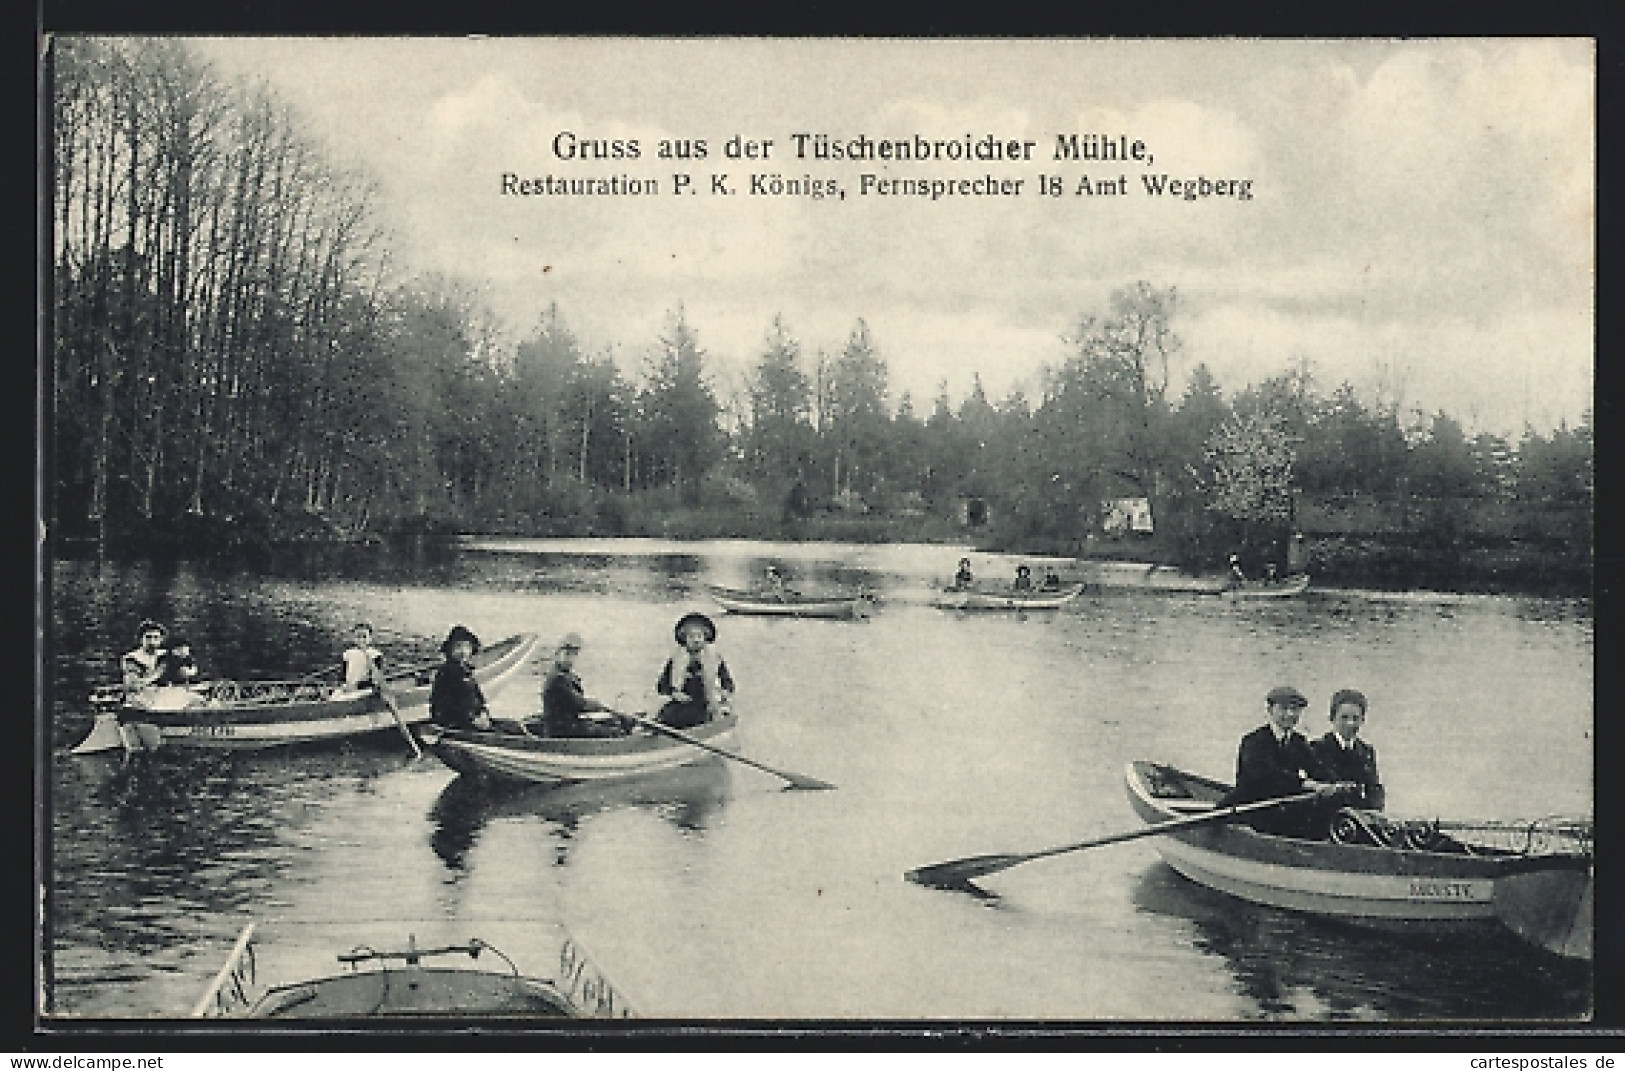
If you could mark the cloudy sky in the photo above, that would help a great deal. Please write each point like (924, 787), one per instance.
(1420, 224)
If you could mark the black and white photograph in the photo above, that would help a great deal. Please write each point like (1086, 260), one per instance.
(746, 529)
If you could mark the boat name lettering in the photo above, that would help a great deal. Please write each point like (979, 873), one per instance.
(588, 988)
(1456, 890)
(212, 730)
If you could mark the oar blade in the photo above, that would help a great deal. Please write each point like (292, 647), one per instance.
(957, 874)
(803, 782)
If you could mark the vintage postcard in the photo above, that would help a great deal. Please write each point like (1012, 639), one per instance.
(1063, 531)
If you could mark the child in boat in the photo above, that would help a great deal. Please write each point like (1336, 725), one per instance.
(1052, 581)
(565, 704)
(176, 666)
(364, 663)
(455, 699)
(963, 578)
(695, 679)
(1024, 578)
(776, 585)
(140, 667)
(1348, 760)
(1274, 760)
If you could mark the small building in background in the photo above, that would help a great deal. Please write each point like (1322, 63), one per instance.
(1125, 516)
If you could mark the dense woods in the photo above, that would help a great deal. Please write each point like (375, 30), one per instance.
(238, 361)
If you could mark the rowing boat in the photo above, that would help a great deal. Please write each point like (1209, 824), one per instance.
(1533, 878)
(397, 983)
(973, 599)
(771, 604)
(233, 715)
(556, 760)
(1283, 588)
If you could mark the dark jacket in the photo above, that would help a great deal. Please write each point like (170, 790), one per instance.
(563, 703)
(692, 684)
(174, 669)
(1357, 764)
(455, 698)
(1267, 769)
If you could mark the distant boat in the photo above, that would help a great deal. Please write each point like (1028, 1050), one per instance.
(1537, 882)
(245, 715)
(984, 599)
(789, 604)
(387, 984)
(555, 760)
(1282, 588)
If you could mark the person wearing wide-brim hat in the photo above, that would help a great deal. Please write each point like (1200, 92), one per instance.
(1274, 760)
(695, 679)
(455, 698)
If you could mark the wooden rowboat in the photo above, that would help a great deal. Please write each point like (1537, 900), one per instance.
(555, 760)
(1537, 881)
(768, 604)
(391, 984)
(232, 715)
(1284, 588)
(953, 599)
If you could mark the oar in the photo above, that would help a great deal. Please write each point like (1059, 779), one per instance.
(795, 780)
(400, 722)
(956, 874)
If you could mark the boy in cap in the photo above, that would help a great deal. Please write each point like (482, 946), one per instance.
(565, 703)
(1274, 760)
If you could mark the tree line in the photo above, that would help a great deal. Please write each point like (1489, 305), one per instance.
(236, 358)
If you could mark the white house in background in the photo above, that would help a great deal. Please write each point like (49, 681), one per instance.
(1122, 515)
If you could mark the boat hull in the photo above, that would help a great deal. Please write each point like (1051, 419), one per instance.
(991, 600)
(243, 726)
(560, 760)
(1269, 589)
(745, 602)
(1366, 883)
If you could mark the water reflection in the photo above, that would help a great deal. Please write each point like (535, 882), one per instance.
(688, 797)
(1297, 966)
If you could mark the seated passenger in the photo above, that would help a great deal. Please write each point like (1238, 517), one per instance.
(963, 578)
(1274, 760)
(564, 703)
(1024, 578)
(775, 583)
(1235, 570)
(455, 698)
(139, 668)
(695, 678)
(175, 666)
(1052, 581)
(1348, 760)
(363, 663)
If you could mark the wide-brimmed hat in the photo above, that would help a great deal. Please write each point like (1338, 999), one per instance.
(458, 632)
(695, 618)
(571, 640)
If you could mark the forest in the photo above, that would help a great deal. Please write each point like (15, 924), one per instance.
(237, 360)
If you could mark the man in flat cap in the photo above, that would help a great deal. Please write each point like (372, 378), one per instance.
(1274, 760)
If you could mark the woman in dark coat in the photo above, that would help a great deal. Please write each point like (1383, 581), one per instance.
(455, 699)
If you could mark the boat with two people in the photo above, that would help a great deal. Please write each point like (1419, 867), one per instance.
(244, 715)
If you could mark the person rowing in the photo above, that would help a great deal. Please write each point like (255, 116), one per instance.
(565, 704)
(1274, 761)
(695, 679)
(363, 663)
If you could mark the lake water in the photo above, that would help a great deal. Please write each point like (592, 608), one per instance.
(713, 893)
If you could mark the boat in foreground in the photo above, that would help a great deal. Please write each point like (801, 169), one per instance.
(555, 760)
(236, 715)
(769, 604)
(1284, 588)
(975, 599)
(1533, 878)
(397, 983)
